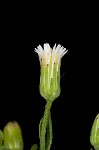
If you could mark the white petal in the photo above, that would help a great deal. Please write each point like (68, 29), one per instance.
(64, 53)
(40, 49)
(57, 48)
(38, 52)
(61, 49)
(47, 49)
(54, 48)
(64, 49)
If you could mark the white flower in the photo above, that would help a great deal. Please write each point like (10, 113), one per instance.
(50, 61)
(47, 53)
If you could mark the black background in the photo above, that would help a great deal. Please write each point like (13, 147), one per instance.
(23, 28)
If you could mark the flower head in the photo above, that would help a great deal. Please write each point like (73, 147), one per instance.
(50, 61)
(13, 136)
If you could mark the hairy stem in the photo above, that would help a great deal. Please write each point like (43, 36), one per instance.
(44, 125)
(49, 134)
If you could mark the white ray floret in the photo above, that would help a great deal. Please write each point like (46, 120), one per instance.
(45, 54)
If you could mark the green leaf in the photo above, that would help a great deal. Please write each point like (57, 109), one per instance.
(94, 137)
(1, 138)
(34, 147)
(40, 126)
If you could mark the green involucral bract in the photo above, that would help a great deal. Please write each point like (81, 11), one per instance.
(94, 137)
(49, 83)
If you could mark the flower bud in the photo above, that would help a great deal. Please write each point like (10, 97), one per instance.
(13, 136)
(94, 137)
(50, 62)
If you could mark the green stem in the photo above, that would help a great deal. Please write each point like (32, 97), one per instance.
(44, 125)
(49, 134)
